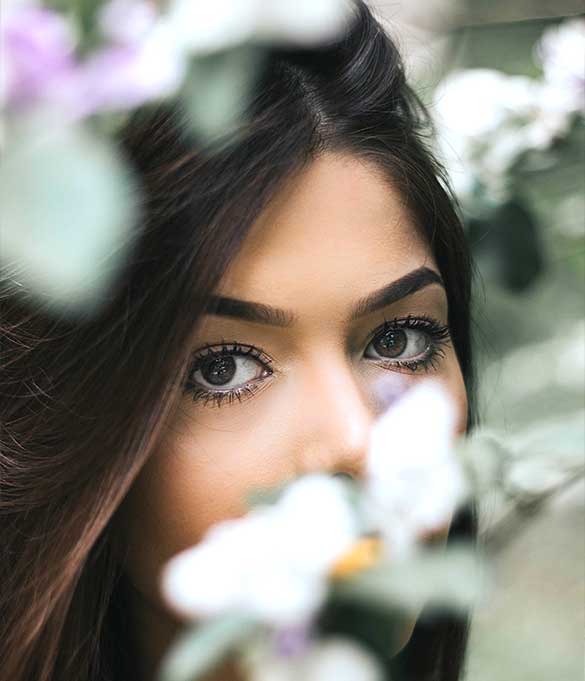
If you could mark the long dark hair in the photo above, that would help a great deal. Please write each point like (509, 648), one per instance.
(83, 402)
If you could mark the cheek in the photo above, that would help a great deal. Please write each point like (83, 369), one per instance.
(202, 472)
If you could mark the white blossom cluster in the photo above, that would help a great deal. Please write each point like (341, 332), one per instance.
(487, 119)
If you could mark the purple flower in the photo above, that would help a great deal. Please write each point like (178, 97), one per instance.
(125, 76)
(37, 54)
(141, 65)
(293, 640)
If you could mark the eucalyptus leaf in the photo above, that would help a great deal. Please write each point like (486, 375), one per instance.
(68, 214)
(485, 457)
(560, 440)
(527, 464)
(203, 646)
(218, 88)
(449, 579)
(549, 455)
(86, 13)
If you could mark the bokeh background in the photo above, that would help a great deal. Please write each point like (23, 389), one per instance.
(530, 345)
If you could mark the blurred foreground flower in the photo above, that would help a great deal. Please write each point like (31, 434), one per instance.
(274, 569)
(204, 27)
(413, 486)
(72, 73)
(142, 53)
(333, 659)
(283, 554)
(37, 52)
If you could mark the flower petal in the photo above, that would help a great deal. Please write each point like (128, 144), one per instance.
(414, 481)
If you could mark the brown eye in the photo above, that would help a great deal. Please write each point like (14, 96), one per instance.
(391, 344)
(218, 370)
(227, 371)
(400, 344)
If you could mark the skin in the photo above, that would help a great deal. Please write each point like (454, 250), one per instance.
(337, 232)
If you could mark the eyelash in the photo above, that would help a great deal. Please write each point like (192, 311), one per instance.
(439, 337)
(219, 397)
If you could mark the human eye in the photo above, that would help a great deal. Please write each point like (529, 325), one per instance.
(226, 372)
(409, 343)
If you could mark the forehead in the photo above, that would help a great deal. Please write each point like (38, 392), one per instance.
(338, 228)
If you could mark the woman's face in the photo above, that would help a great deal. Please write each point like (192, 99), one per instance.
(289, 387)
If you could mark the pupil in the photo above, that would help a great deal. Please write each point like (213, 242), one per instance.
(391, 344)
(219, 370)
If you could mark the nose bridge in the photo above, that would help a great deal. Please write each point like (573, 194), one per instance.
(337, 417)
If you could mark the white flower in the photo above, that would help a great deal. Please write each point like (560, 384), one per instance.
(301, 22)
(414, 481)
(125, 76)
(202, 26)
(561, 51)
(271, 563)
(553, 118)
(480, 114)
(127, 21)
(205, 27)
(487, 120)
(474, 103)
(333, 659)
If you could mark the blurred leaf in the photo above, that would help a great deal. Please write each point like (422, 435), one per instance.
(218, 89)
(449, 579)
(549, 454)
(68, 214)
(561, 440)
(82, 13)
(86, 12)
(203, 646)
(484, 457)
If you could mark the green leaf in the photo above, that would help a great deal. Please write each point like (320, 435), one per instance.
(484, 457)
(218, 88)
(68, 214)
(203, 646)
(548, 455)
(449, 579)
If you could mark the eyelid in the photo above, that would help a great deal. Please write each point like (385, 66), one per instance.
(225, 347)
(440, 336)
(410, 321)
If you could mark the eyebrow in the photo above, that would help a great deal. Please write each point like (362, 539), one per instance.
(266, 314)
